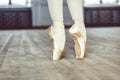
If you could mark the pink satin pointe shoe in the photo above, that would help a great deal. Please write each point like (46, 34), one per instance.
(57, 35)
(78, 33)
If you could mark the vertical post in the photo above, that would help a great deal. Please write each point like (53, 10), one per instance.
(117, 1)
(101, 2)
(10, 2)
(26, 1)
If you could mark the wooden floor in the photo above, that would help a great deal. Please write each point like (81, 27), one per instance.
(27, 55)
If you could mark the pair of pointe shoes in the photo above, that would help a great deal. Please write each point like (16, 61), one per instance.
(57, 36)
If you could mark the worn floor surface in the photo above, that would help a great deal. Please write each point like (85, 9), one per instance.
(27, 55)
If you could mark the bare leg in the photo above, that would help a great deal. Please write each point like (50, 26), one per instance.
(57, 31)
(78, 30)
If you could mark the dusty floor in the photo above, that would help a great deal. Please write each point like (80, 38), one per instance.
(27, 55)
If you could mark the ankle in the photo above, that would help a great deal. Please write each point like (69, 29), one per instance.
(58, 23)
(78, 22)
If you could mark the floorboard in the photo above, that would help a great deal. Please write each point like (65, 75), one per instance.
(27, 55)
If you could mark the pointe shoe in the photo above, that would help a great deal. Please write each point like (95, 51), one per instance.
(78, 34)
(57, 35)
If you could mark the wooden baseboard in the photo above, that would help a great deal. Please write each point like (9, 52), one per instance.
(31, 27)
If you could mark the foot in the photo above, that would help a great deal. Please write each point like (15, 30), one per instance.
(57, 35)
(78, 33)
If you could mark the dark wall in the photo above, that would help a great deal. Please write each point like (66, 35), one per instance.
(94, 16)
(102, 16)
(12, 17)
